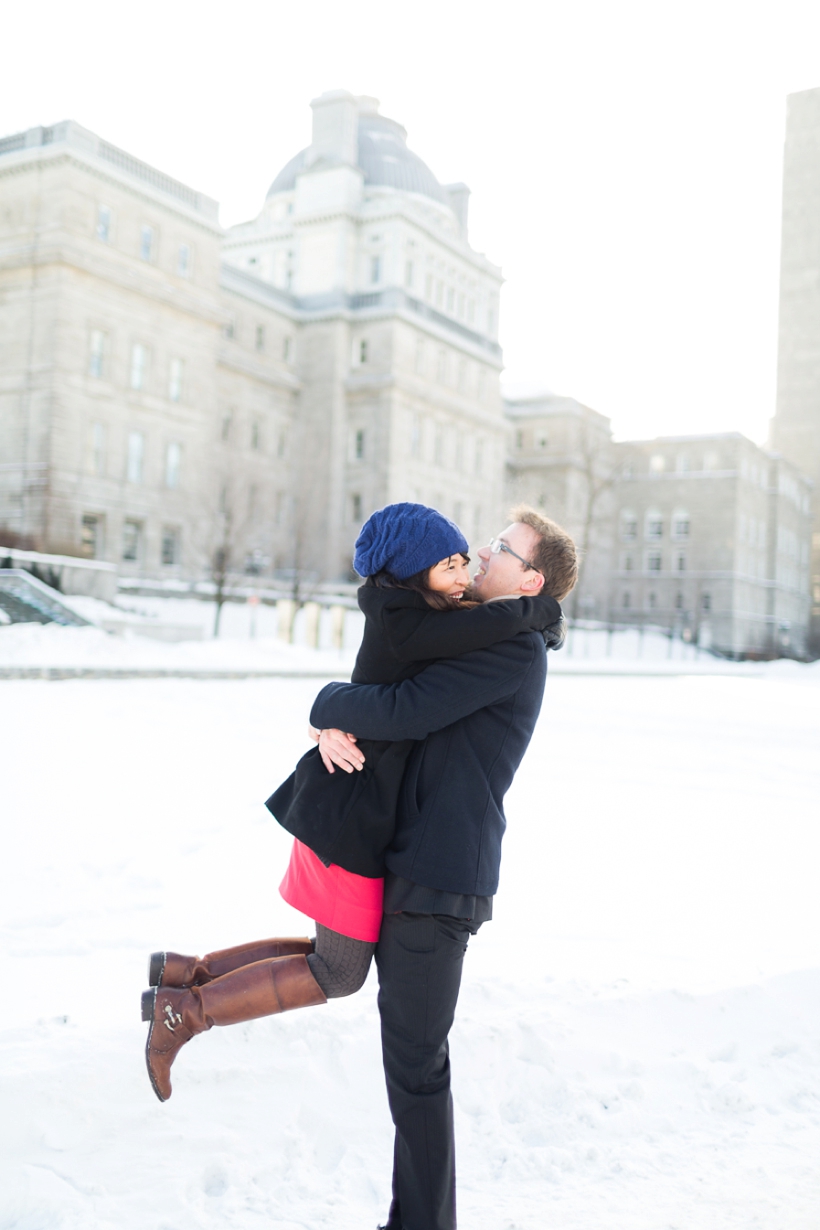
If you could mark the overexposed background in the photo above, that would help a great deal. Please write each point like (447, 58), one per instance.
(625, 159)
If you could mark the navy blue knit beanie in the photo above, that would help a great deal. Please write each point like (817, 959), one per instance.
(405, 539)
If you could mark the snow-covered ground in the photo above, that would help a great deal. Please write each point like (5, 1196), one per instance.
(249, 642)
(638, 1038)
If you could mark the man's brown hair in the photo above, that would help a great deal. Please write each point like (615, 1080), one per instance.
(554, 555)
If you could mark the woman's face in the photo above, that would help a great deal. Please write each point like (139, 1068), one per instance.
(450, 576)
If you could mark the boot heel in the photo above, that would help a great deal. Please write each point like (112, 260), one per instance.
(148, 1001)
(156, 968)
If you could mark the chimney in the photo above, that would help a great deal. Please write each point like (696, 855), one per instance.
(335, 128)
(458, 198)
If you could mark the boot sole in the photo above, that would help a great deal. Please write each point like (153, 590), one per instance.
(149, 999)
(156, 968)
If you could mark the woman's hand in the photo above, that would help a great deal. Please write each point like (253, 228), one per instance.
(338, 748)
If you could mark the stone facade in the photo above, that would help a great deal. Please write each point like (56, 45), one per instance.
(707, 536)
(561, 461)
(796, 425)
(171, 395)
(115, 374)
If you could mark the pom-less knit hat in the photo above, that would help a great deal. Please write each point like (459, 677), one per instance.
(405, 539)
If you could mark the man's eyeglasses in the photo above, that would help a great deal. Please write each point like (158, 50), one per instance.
(497, 545)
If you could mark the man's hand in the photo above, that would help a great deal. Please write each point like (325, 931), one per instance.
(338, 748)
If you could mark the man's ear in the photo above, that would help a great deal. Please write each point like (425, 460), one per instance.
(533, 584)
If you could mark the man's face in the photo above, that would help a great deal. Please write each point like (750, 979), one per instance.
(503, 573)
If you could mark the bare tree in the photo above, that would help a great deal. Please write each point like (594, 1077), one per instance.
(599, 472)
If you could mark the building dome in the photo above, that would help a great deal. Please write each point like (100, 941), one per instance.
(383, 157)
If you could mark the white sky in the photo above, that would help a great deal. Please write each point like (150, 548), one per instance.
(625, 157)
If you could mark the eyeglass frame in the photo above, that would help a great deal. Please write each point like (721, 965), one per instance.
(497, 545)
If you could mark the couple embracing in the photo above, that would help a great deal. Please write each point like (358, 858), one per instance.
(398, 818)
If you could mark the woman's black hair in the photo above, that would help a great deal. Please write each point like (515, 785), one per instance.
(418, 582)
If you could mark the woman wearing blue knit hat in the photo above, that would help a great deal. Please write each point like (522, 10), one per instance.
(415, 564)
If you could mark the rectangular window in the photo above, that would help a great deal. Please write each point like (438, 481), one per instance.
(136, 454)
(131, 541)
(146, 243)
(681, 527)
(653, 561)
(680, 561)
(419, 364)
(519, 439)
(91, 536)
(173, 461)
(260, 337)
(255, 436)
(184, 260)
(375, 269)
(104, 223)
(96, 358)
(408, 274)
(363, 351)
(139, 360)
(415, 436)
(629, 527)
(358, 445)
(97, 448)
(287, 348)
(654, 527)
(356, 508)
(175, 380)
(170, 545)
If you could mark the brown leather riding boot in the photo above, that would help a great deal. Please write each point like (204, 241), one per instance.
(262, 989)
(169, 969)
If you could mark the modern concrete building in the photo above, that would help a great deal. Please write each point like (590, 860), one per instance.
(796, 425)
(171, 396)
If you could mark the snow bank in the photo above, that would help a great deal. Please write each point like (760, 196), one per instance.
(637, 1044)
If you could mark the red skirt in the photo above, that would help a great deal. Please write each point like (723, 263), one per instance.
(338, 899)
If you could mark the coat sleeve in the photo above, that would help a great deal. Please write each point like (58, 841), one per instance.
(415, 636)
(440, 695)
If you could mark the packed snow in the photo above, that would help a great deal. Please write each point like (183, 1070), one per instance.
(637, 1045)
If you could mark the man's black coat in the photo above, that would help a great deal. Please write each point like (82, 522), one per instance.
(348, 819)
(474, 716)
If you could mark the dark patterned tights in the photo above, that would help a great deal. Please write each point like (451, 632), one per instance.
(339, 963)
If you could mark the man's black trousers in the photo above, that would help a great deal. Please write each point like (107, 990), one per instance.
(419, 959)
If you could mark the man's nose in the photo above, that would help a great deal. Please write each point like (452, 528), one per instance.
(484, 553)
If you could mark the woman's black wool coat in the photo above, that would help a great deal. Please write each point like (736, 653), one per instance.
(348, 818)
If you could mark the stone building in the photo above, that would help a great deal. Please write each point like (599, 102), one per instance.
(713, 536)
(397, 349)
(796, 425)
(560, 459)
(171, 396)
(706, 536)
(131, 429)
